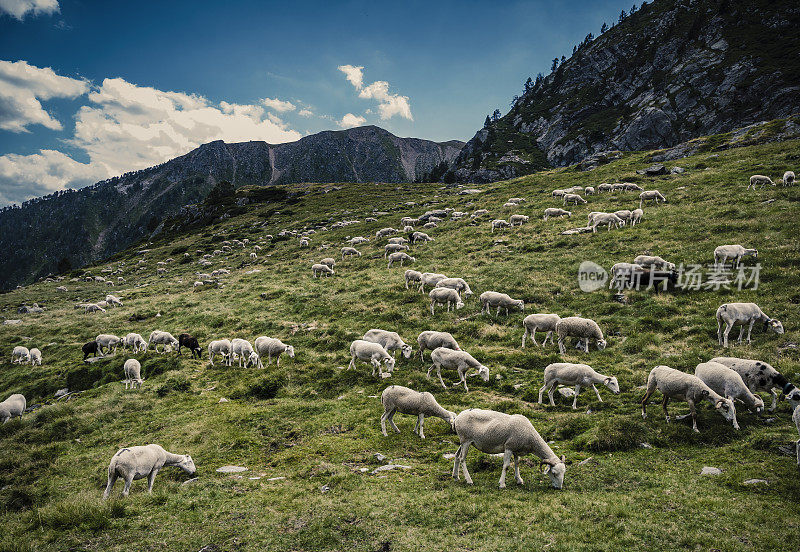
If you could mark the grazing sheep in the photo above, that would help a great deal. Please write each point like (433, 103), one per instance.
(605, 218)
(555, 212)
(393, 248)
(653, 195)
(479, 213)
(636, 216)
(431, 340)
(157, 337)
(357, 240)
(574, 198)
(579, 375)
(317, 270)
(143, 461)
(89, 349)
(412, 276)
(220, 347)
(400, 256)
(788, 178)
(559, 193)
(500, 224)
(759, 376)
(624, 214)
(589, 190)
(371, 353)
(446, 296)
(13, 406)
(458, 284)
(678, 385)
(191, 343)
(398, 240)
(328, 261)
(516, 200)
(724, 252)
(409, 221)
(397, 398)
(759, 180)
(390, 341)
(582, 328)
(605, 187)
(304, 242)
(542, 321)
(429, 279)
(518, 220)
(196, 285)
(93, 308)
(272, 347)
(512, 434)
(741, 314)
(490, 299)
(728, 383)
(510, 205)
(113, 300)
(243, 350)
(36, 356)
(350, 252)
(383, 232)
(420, 237)
(20, 355)
(135, 341)
(458, 360)
(133, 373)
(107, 341)
(408, 230)
(647, 261)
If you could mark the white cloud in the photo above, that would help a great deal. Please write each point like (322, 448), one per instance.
(389, 105)
(350, 121)
(22, 86)
(354, 74)
(305, 112)
(278, 105)
(18, 9)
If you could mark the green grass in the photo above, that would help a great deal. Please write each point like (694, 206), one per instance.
(316, 424)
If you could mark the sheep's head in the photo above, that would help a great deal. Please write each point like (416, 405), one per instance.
(728, 410)
(290, 351)
(775, 326)
(253, 359)
(555, 468)
(601, 344)
(187, 465)
(792, 395)
(459, 304)
(521, 304)
(612, 385)
(406, 349)
(389, 364)
(483, 372)
(758, 404)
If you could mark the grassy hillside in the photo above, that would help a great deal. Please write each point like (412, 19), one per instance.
(316, 425)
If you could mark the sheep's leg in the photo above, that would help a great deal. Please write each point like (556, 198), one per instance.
(421, 423)
(352, 364)
(457, 462)
(438, 373)
(552, 392)
(127, 488)
(384, 416)
(774, 400)
(112, 478)
(561, 348)
(749, 330)
(797, 446)
(432, 312)
(694, 416)
(550, 335)
(541, 392)
(506, 462)
(599, 398)
(533, 337)
(150, 479)
(575, 400)
(664, 404)
(728, 328)
(586, 345)
(645, 400)
(524, 335)
(464, 451)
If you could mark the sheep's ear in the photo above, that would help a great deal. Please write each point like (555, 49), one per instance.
(719, 403)
(704, 392)
(608, 380)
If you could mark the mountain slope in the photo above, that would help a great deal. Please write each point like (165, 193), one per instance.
(70, 229)
(672, 71)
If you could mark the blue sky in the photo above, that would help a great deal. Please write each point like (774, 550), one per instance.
(424, 69)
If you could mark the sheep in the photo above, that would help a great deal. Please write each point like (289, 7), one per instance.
(605, 218)
(518, 220)
(133, 373)
(512, 434)
(542, 321)
(491, 299)
(574, 198)
(589, 190)
(393, 248)
(461, 361)
(196, 285)
(243, 350)
(636, 216)
(372, 353)
(383, 232)
(317, 270)
(516, 200)
(431, 340)
(647, 261)
(759, 376)
(582, 328)
(143, 461)
(429, 279)
(397, 398)
(654, 195)
(357, 240)
(604, 188)
(272, 347)
(113, 300)
(254, 256)
(304, 242)
(61, 288)
(220, 347)
(191, 343)
(420, 237)
(559, 193)
(408, 230)
(458, 284)
(445, 296)
(89, 349)
(135, 341)
(724, 252)
(629, 186)
(13, 406)
(624, 214)
(349, 252)
(20, 355)
(107, 341)
(499, 224)
(759, 180)
(390, 341)
(479, 213)
(412, 276)
(93, 308)
(36, 357)
(409, 221)
(158, 337)
(678, 385)
(788, 178)
(741, 314)
(399, 240)
(555, 212)
(729, 384)
(579, 375)
(400, 256)
(510, 205)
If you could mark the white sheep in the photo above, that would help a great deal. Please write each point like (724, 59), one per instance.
(133, 373)
(579, 375)
(589, 190)
(788, 178)
(678, 385)
(582, 328)
(13, 406)
(397, 398)
(429, 279)
(157, 337)
(541, 321)
(605, 187)
(93, 308)
(318, 269)
(647, 261)
(431, 340)
(220, 347)
(605, 218)
(420, 237)
(36, 356)
(490, 299)
(442, 296)
(108, 342)
(759, 180)
(458, 284)
(393, 248)
(510, 205)
(500, 224)
(516, 200)
(649, 195)
(624, 214)
(400, 256)
(518, 220)
(20, 354)
(559, 193)
(458, 360)
(408, 230)
(412, 276)
(390, 341)
(636, 216)
(511, 434)
(113, 300)
(135, 341)
(743, 314)
(350, 252)
(760, 376)
(272, 347)
(383, 232)
(556, 212)
(143, 461)
(372, 353)
(728, 383)
(574, 198)
(399, 240)
(724, 252)
(243, 350)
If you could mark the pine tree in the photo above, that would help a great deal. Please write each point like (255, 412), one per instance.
(622, 16)
(528, 85)
(496, 115)
(633, 9)
(555, 64)
(604, 28)
(563, 59)
(487, 122)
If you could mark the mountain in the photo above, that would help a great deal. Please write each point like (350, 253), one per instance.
(669, 72)
(72, 228)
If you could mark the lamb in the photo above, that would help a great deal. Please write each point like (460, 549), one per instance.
(220, 347)
(420, 237)
(648, 195)
(429, 279)
(158, 337)
(729, 384)
(372, 353)
(499, 224)
(647, 261)
(605, 218)
(390, 341)
(431, 340)
(512, 434)
(760, 376)
(409, 221)
(36, 357)
(574, 198)
(788, 178)
(328, 261)
(582, 328)
(636, 216)
(272, 347)
(412, 276)
(759, 180)
(350, 252)
(579, 375)
(441, 295)
(518, 220)
(317, 270)
(393, 248)
(243, 350)
(133, 373)
(135, 341)
(741, 314)
(93, 308)
(89, 348)
(113, 300)
(13, 406)
(544, 322)
(400, 256)
(678, 385)
(461, 361)
(191, 343)
(555, 212)
(397, 398)
(724, 252)
(491, 299)
(107, 341)
(143, 461)
(20, 355)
